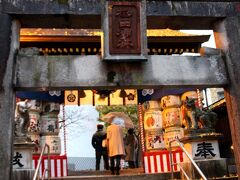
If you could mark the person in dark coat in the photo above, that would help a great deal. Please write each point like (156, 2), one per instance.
(131, 146)
(100, 151)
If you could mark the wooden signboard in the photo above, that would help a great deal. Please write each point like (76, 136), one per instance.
(124, 31)
(124, 28)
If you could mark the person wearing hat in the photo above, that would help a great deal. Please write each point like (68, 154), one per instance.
(97, 141)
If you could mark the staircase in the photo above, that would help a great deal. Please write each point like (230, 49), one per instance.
(125, 174)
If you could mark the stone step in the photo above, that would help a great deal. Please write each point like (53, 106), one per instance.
(105, 172)
(224, 178)
(162, 176)
(125, 174)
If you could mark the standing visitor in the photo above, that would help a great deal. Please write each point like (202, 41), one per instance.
(115, 145)
(100, 151)
(131, 145)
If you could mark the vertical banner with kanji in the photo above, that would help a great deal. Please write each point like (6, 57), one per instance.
(124, 28)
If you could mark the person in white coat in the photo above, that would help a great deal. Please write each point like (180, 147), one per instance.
(116, 147)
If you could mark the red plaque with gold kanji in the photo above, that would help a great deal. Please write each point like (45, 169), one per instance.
(124, 28)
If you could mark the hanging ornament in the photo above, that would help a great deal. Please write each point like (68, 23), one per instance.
(130, 97)
(147, 92)
(122, 93)
(54, 93)
(81, 94)
(71, 97)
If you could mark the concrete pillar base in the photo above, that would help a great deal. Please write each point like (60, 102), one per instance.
(20, 174)
(210, 168)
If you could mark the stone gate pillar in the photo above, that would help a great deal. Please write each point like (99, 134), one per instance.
(227, 36)
(9, 33)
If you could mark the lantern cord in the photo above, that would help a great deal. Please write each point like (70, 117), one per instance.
(64, 132)
(140, 116)
(199, 99)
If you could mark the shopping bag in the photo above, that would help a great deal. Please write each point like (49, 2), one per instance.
(104, 143)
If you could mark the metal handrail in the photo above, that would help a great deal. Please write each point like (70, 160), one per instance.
(189, 157)
(40, 161)
(43, 174)
(184, 172)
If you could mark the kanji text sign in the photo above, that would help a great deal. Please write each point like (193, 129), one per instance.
(22, 158)
(17, 159)
(208, 149)
(124, 28)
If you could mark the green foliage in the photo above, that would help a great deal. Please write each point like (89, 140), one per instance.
(130, 110)
(110, 76)
(62, 1)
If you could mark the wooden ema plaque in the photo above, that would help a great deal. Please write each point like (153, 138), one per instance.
(124, 28)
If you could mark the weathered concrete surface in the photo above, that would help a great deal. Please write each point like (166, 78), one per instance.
(210, 168)
(43, 72)
(87, 13)
(7, 104)
(131, 175)
(188, 14)
(81, 7)
(228, 37)
(191, 8)
(20, 174)
(63, 13)
(93, 7)
(5, 33)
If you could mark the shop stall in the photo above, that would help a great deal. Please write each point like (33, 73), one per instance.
(44, 128)
(160, 121)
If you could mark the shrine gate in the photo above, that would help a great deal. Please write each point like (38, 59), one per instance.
(215, 69)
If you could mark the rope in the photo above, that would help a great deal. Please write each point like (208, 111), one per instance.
(64, 132)
(140, 116)
(199, 99)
